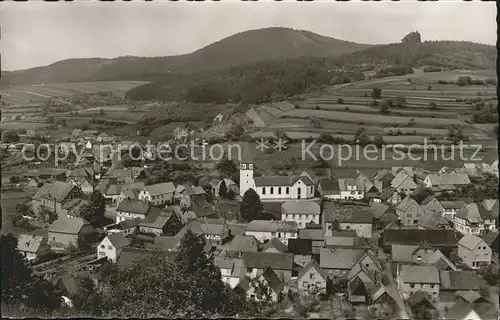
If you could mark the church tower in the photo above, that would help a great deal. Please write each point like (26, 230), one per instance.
(246, 177)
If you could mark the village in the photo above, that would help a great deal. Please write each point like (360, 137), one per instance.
(405, 242)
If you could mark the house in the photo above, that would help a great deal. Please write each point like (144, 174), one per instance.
(432, 204)
(472, 306)
(215, 230)
(409, 212)
(301, 212)
(54, 174)
(338, 262)
(450, 208)
(362, 282)
(73, 207)
(232, 270)
(350, 190)
(158, 194)
(186, 190)
(382, 215)
(274, 245)
(257, 262)
(124, 227)
(35, 182)
(241, 243)
(276, 187)
(453, 282)
(491, 239)
(160, 222)
(111, 246)
(265, 230)
(433, 220)
(228, 209)
(443, 182)
(67, 232)
(382, 179)
(419, 174)
(443, 240)
(422, 305)
(492, 205)
(474, 252)
(473, 219)
(311, 279)
(132, 194)
(225, 184)
(301, 250)
(200, 208)
(113, 192)
(403, 183)
(317, 237)
(422, 254)
(52, 196)
(32, 247)
(340, 242)
(270, 279)
(414, 278)
(371, 193)
(390, 196)
(494, 168)
(360, 220)
(476, 170)
(130, 209)
(329, 189)
(84, 184)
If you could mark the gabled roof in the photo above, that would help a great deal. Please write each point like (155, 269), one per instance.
(130, 223)
(56, 190)
(402, 253)
(29, 243)
(243, 243)
(402, 179)
(313, 234)
(135, 206)
(160, 188)
(329, 187)
(275, 243)
(459, 280)
(453, 204)
(272, 280)
(474, 213)
(419, 274)
(262, 260)
(69, 225)
(212, 226)
(470, 241)
(490, 237)
(492, 205)
(157, 218)
(284, 181)
(272, 226)
(118, 240)
(433, 220)
(312, 265)
(453, 179)
(339, 242)
(438, 238)
(387, 193)
(378, 209)
(349, 215)
(343, 259)
(300, 207)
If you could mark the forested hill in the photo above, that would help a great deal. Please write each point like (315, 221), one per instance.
(242, 48)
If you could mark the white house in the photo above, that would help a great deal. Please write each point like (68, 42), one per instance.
(158, 194)
(349, 190)
(450, 208)
(111, 246)
(276, 187)
(338, 219)
(473, 251)
(130, 209)
(32, 247)
(403, 183)
(264, 230)
(474, 219)
(232, 270)
(413, 278)
(301, 212)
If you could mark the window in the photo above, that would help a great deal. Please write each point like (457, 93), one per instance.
(294, 216)
(273, 234)
(432, 286)
(110, 247)
(304, 284)
(311, 276)
(272, 190)
(249, 270)
(287, 190)
(348, 227)
(412, 285)
(103, 246)
(263, 190)
(279, 190)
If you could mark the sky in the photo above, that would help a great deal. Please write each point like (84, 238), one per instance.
(37, 34)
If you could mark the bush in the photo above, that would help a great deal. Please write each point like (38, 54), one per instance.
(297, 106)
(376, 93)
(464, 81)
(317, 107)
(340, 101)
(432, 69)
(442, 82)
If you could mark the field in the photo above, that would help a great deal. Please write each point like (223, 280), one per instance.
(33, 94)
(429, 109)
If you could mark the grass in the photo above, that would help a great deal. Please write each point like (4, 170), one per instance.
(9, 201)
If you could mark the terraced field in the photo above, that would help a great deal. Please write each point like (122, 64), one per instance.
(430, 108)
(32, 94)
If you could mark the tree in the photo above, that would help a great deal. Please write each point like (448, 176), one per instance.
(230, 194)
(235, 132)
(93, 212)
(315, 123)
(101, 112)
(429, 87)
(384, 107)
(456, 134)
(50, 120)
(251, 207)
(10, 136)
(400, 102)
(19, 285)
(227, 168)
(361, 137)
(223, 190)
(325, 137)
(378, 140)
(376, 93)
(329, 286)
(340, 101)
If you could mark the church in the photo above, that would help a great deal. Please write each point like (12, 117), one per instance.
(276, 187)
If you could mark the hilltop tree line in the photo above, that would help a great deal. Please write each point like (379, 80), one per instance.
(253, 83)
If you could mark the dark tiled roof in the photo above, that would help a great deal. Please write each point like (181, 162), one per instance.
(300, 246)
(118, 240)
(440, 238)
(459, 280)
(272, 280)
(262, 260)
(275, 243)
(134, 205)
